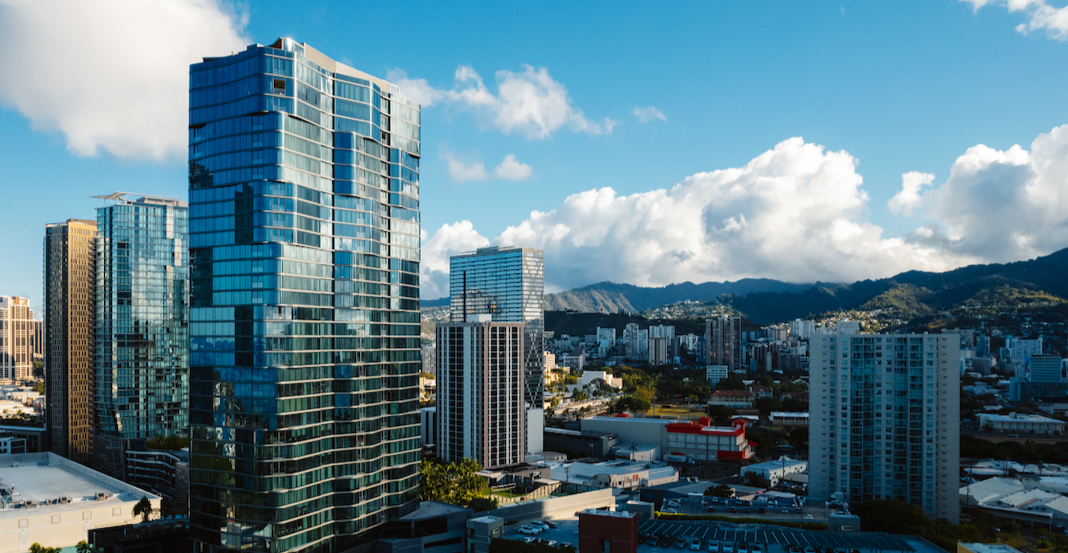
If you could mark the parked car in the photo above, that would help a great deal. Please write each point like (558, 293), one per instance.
(727, 547)
(552, 543)
(527, 530)
(756, 548)
(664, 541)
(713, 546)
(529, 541)
(810, 549)
(549, 523)
(680, 543)
(743, 548)
(538, 524)
(695, 544)
(564, 545)
(808, 517)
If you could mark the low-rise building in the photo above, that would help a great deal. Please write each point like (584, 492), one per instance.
(715, 373)
(772, 472)
(54, 501)
(588, 377)
(735, 399)
(1020, 423)
(697, 440)
(789, 418)
(433, 527)
(613, 474)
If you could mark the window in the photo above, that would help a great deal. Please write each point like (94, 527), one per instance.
(279, 86)
(116, 511)
(24, 523)
(86, 515)
(55, 519)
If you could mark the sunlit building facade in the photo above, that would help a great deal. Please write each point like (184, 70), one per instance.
(17, 328)
(507, 283)
(142, 324)
(304, 244)
(70, 327)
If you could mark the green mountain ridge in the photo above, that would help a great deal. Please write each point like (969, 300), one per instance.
(910, 294)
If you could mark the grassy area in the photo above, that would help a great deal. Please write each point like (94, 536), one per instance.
(680, 412)
(503, 493)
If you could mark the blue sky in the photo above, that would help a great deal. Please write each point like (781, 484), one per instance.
(867, 91)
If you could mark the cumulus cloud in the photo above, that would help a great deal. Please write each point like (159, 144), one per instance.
(511, 169)
(793, 213)
(447, 241)
(1040, 16)
(647, 114)
(464, 172)
(111, 75)
(530, 103)
(1002, 205)
(909, 197)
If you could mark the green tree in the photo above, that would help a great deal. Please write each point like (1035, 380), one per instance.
(755, 480)
(434, 482)
(766, 405)
(39, 386)
(721, 490)
(38, 548)
(799, 437)
(720, 414)
(83, 547)
(469, 484)
(143, 508)
(480, 504)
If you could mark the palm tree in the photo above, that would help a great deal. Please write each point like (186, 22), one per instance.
(38, 548)
(83, 547)
(143, 508)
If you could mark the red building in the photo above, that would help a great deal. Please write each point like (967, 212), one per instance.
(701, 442)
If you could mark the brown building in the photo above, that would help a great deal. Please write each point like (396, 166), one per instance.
(608, 531)
(16, 339)
(70, 320)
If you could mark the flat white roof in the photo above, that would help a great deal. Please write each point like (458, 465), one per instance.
(42, 477)
(1017, 417)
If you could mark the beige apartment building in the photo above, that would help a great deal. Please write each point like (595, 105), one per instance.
(16, 339)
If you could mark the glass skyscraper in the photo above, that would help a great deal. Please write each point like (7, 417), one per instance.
(142, 323)
(508, 283)
(304, 241)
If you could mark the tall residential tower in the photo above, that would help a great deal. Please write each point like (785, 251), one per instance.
(70, 322)
(304, 246)
(142, 324)
(17, 328)
(507, 283)
(885, 419)
(480, 408)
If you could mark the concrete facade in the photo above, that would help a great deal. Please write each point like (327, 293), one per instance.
(885, 419)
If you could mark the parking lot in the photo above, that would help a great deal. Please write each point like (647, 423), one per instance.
(663, 536)
(566, 531)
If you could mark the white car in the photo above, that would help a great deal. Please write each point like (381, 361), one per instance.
(727, 548)
(538, 524)
(528, 540)
(529, 530)
(695, 544)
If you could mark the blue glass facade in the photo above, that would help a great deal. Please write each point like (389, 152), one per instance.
(142, 323)
(304, 231)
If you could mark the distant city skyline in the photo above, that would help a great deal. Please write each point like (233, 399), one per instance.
(833, 141)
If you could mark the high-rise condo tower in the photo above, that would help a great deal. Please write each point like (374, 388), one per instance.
(304, 242)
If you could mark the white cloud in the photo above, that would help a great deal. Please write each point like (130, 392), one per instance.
(111, 74)
(530, 103)
(909, 197)
(793, 213)
(511, 169)
(446, 242)
(1040, 16)
(647, 114)
(1002, 205)
(463, 172)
